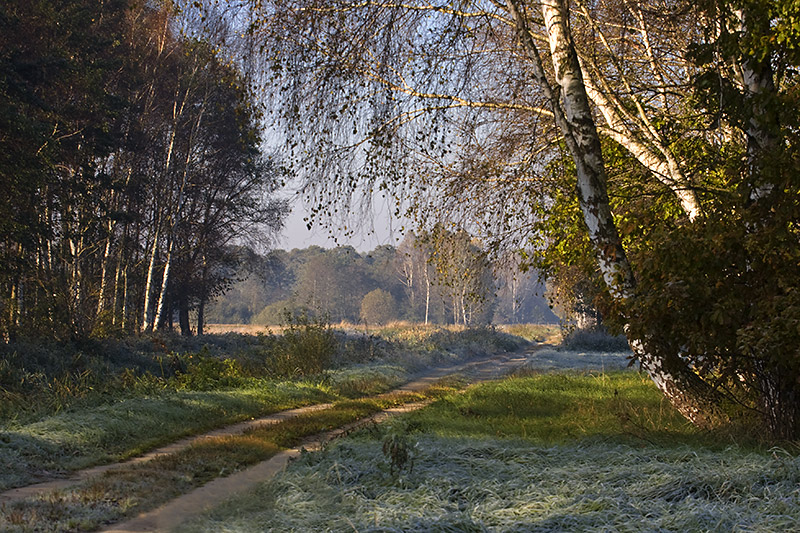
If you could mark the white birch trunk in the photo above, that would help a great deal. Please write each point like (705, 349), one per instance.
(757, 79)
(176, 220)
(660, 161)
(147, 318)
(634, 131)
(162, 293)
(427, 294)
(115, 295)
(570, 104)
(101, 300)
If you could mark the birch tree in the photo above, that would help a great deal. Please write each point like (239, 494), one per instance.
(103, 137)
(478, 110)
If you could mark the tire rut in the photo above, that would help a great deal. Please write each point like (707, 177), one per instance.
(212, 493)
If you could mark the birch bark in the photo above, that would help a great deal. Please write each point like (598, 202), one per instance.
(569, 100)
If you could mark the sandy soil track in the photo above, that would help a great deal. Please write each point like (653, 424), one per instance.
(211, 494)
(184, 507)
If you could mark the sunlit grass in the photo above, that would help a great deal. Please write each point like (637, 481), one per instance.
(117, 427)
(550, 333)
(555, 452)
(127, 423)
(556, 408)
(137, 488)
(79, 438)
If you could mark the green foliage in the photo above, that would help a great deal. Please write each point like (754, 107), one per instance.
(306, 347)
(378, 307)
(204, 372)
(98, 110)
(336, 282)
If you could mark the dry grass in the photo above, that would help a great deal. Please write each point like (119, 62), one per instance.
(244, 329)
(575, 453)
(134, 489)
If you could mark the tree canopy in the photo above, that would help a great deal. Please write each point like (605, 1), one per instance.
(449, 283)
(131, 168)
(651, 147)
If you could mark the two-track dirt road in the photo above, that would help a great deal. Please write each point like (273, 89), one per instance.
(184, 507)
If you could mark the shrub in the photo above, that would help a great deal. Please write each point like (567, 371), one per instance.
(594, 340)
(204, 372)
(378, 307)
(307, 346)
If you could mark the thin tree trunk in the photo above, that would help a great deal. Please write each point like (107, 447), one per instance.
(125, 299)
(115, 295)
(183, 317)
(427, 295)
(13, 312)
(162, 293)
(201, 315)
(757, 80)
(147, 318)
(201, 306)
(104, 265)
(176, 220)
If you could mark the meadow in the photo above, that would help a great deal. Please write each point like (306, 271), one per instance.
(545, 450)
(124, 401)
(574, 440)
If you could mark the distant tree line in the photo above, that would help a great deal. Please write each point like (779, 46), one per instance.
(439, 276)
(130, 169)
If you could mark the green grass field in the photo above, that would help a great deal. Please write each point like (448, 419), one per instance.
(138, 411)
(122, 409)
(554, 452)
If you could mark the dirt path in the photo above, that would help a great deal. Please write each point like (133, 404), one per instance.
(182, 508)
(35, 489)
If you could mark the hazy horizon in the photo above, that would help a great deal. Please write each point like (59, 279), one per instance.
(383, 229)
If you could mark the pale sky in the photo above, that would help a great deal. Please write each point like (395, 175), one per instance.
(381, 229)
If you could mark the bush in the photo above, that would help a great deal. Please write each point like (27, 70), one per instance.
(378, 307)
(307, 347)
(594, 340)
(204, 372)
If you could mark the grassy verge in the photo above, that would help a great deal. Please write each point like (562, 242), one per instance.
(76, 439)
(103, 402)
(563, 452)
(131, 490)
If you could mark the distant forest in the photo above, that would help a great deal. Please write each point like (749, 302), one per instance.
(440, 277)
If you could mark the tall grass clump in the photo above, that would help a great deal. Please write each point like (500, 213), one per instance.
(594, 340)
(417, 346)
(307, 346)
